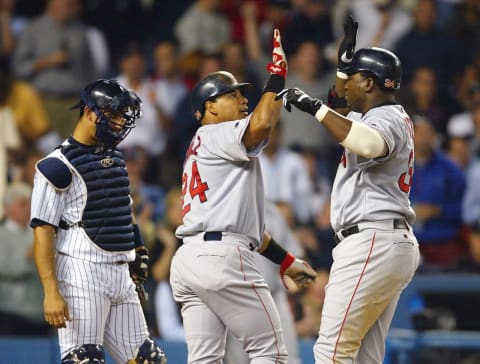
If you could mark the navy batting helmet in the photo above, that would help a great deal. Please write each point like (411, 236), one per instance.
(384, 64)
(108, 98)
(215, 84)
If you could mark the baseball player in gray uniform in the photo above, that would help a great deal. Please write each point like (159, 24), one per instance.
(213, 274)
(376, 253)
(278, 227)
(87, 250)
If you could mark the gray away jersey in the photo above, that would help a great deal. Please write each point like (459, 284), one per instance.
(376, 189)
(222, 184)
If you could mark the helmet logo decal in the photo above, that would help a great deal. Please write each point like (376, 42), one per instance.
(107, 162)
(390, 83)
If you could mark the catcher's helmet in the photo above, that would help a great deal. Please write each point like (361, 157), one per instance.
(107, 98)
(384, 64)
(215, 84)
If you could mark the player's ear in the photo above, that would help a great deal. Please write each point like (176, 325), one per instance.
(90, 114)
(369, 84)
(211, 107)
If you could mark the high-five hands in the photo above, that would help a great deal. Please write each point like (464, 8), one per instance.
(279, 64)
(300, 272)
(299, 99)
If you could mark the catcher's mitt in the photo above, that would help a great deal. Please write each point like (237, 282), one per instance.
(139, 271)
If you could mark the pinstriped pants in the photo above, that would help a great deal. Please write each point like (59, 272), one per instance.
(104, 307)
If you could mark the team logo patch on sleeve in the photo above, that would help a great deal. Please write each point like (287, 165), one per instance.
(107, 162)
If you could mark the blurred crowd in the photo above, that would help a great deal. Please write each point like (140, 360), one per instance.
(50, 49)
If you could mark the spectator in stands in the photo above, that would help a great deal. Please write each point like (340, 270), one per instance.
(151, 129)
(382, 22)
(312, 23)
(28, 111)
(467, 123)
(169, 85)
(27, 166)
(10, 144)
(53, 54)
(438, 50)
(11, 25)
(169, 322)
(254, 49)
(21, 306)
(201, 27)
(185, 124)
(463, 26)
(234, 60)
(308, 73)
(423, 96)
(436, 194)
(278, 227)
(317, 237)
(277, 15)
(471, 217)
(170, 89)
(97, 43)
(458, 150)
(286, 180)
(136, 162)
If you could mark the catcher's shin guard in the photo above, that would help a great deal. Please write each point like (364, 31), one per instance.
(85, 354)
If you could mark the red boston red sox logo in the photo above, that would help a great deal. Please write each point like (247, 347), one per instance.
(390, 83)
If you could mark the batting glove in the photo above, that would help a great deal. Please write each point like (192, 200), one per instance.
(347, 46)
(279, 60)
(299, 99)
(139, 267)
(334, 101)
(297, 269)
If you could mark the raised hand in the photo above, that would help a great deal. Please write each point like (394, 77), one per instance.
(279, 64)
(347, 46)
(299, 99)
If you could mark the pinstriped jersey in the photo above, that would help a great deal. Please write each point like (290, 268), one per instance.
(376, 189)
(222, 184)
(51, 205)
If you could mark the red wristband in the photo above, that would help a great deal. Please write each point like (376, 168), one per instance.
(287, 262)
(277, 70)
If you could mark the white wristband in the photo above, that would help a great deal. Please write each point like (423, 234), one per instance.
(342, 75)
(320, 114)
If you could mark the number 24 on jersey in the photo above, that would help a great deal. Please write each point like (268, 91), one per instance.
(194, 186)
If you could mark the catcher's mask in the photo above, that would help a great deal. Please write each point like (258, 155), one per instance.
(116, 108)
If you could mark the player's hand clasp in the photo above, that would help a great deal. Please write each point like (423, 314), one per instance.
(301, 272)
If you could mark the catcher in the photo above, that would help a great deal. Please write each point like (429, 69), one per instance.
(87, 250)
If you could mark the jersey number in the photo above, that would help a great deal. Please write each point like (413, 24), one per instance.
(196, 187)
(405, 180)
